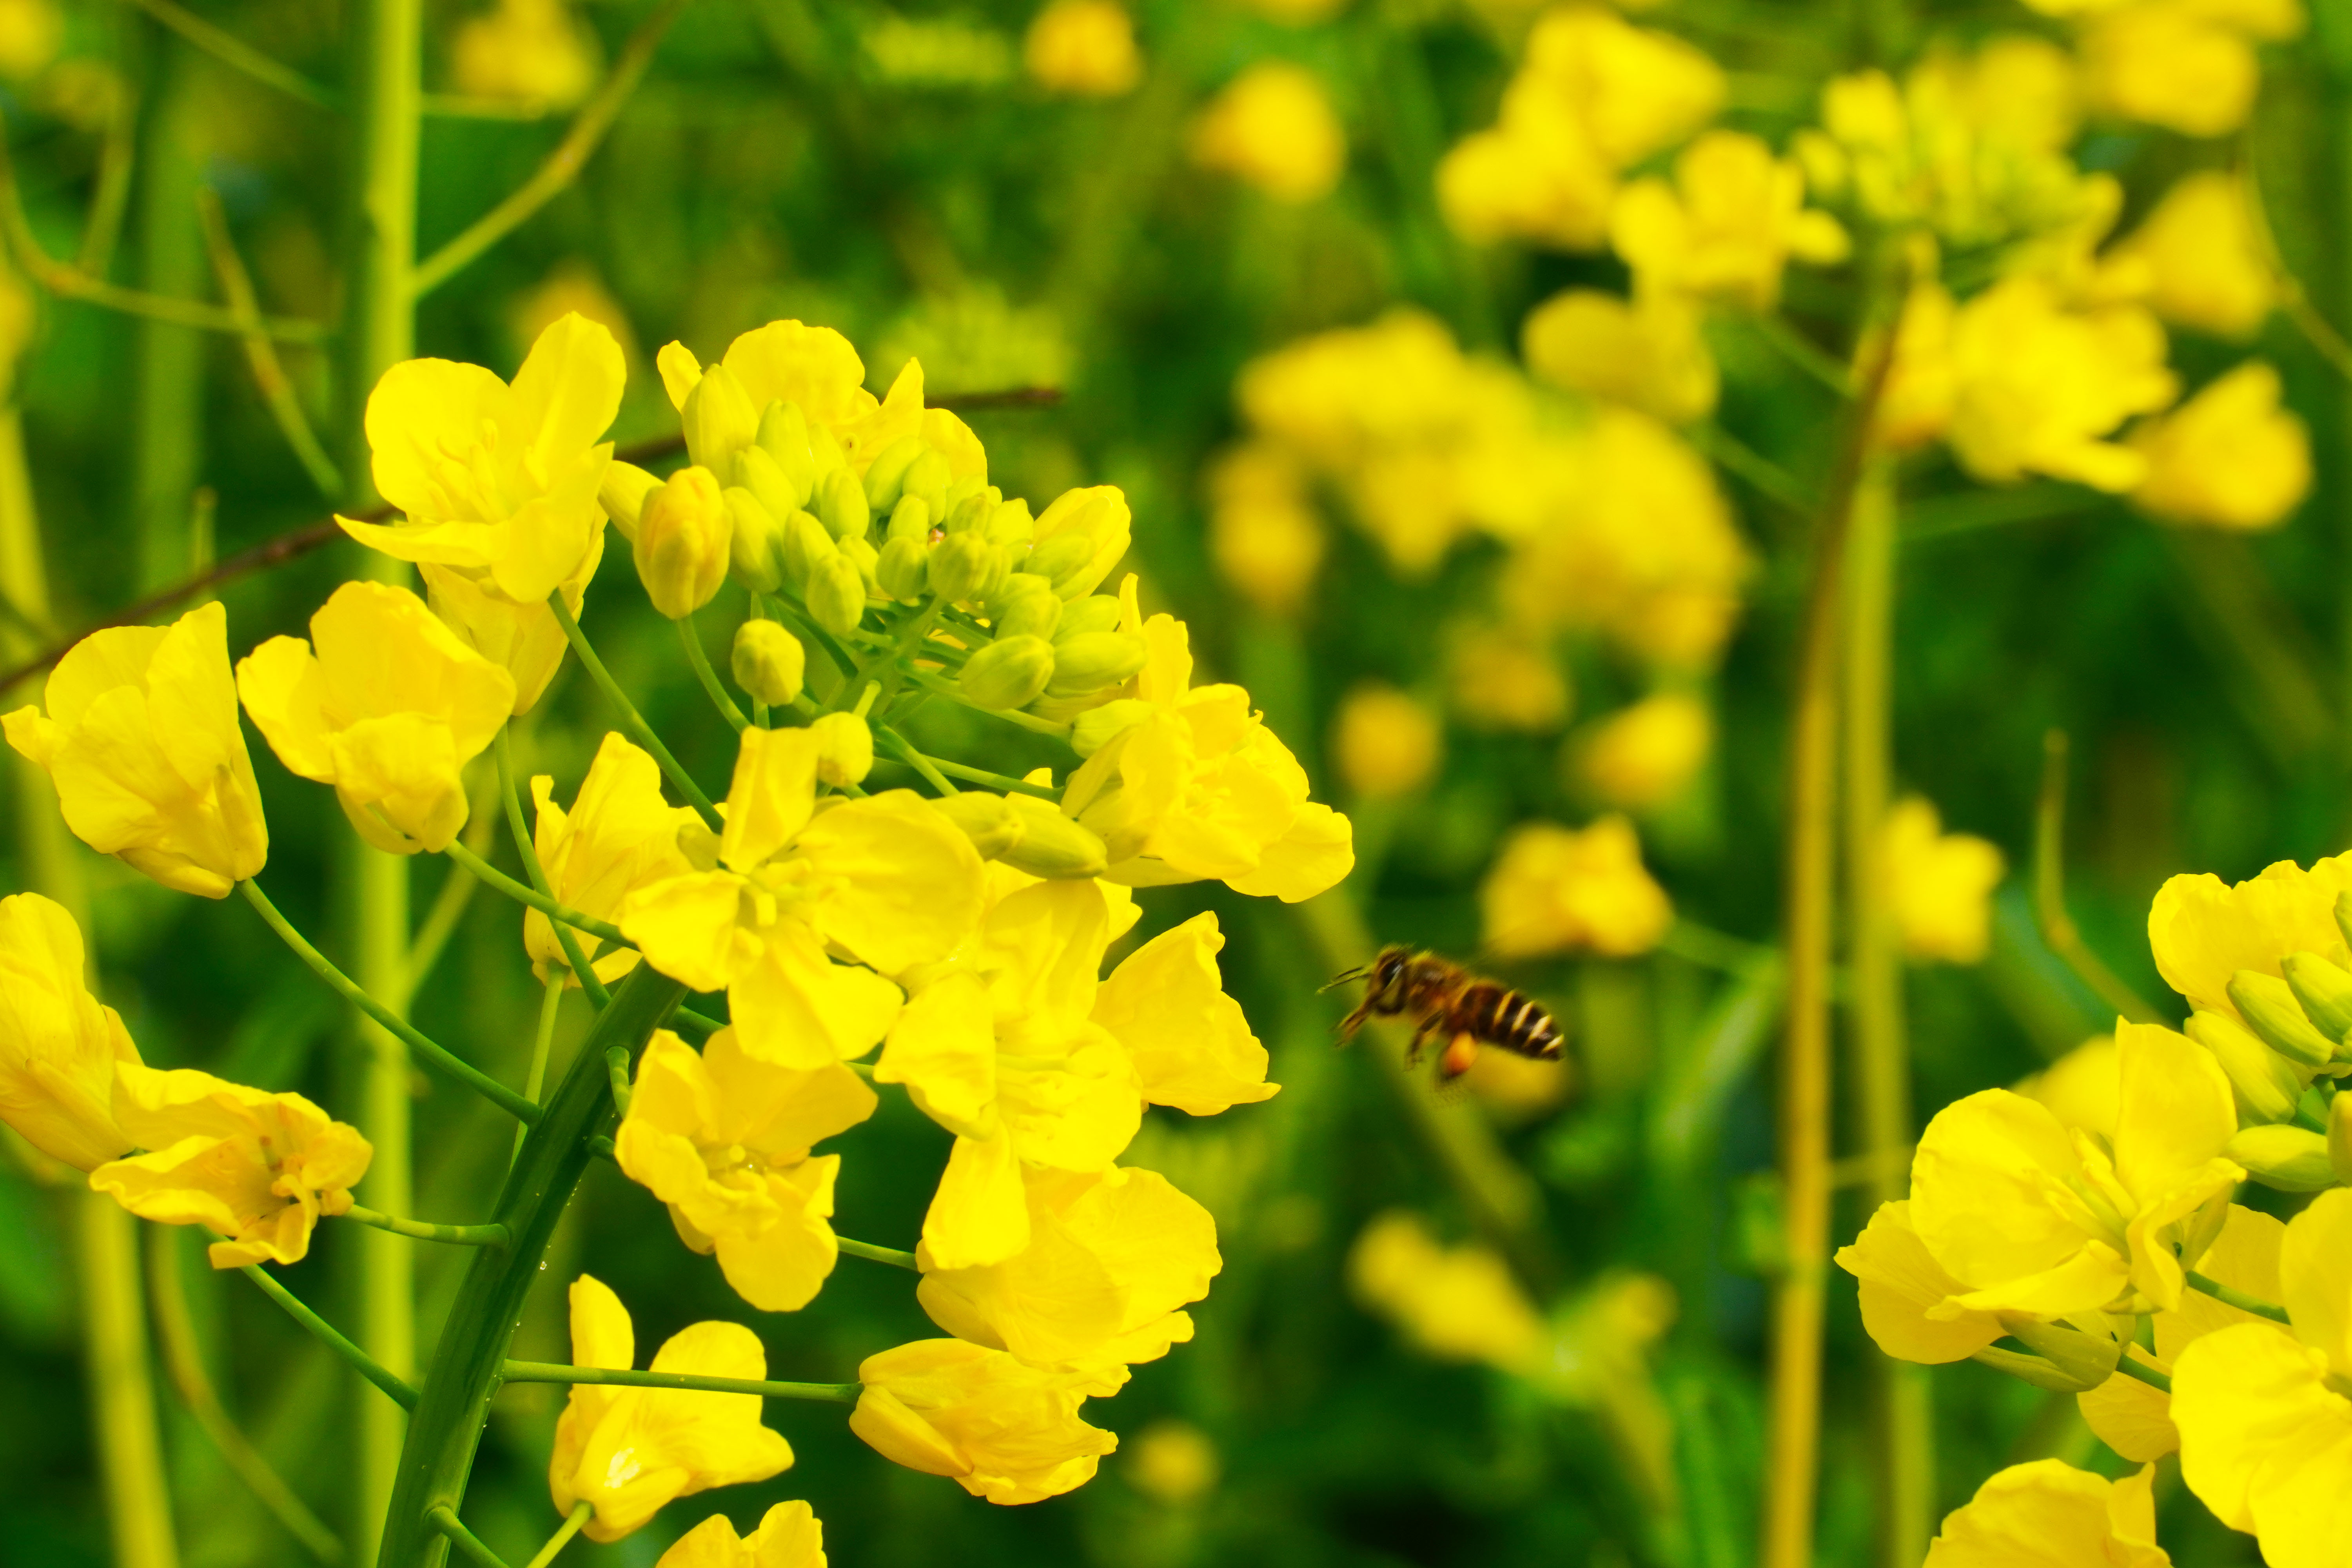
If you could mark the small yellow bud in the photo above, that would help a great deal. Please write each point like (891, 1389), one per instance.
(1093, 730)
(1011, 523)
(969, 513)
(805, 546)
(1094, 613)
(985, 820)
(844, 749)
(2291, 1159)
(835, 595)
(778, 489)
(841, 505)
(866, 559)
(1024, 606)
(2270, 1009)
(783, 441)
(1063, 552)
(1083, 48)
(769, 662)
(2265, 1087)
(623, 495)
(888, 474)
(904, 569)
(2324, 989)
(1385, 743)
(1010, 672)
(2339, 1137)
(1100, 515)
(719, 421)
(1052, 844)
(1092, 661)
(755, 549)
(2083, 1361)
(682, 542)
(927, 479)
(966, 566)
(910, 519)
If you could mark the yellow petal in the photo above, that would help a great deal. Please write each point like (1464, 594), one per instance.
(979, 1215)
(686, 928)
(795, 1007)
(1191, 1044)
(770, 799)
(2316, 1273)
(944, 1050)
(1900, 1282)
(900, 882)
(2254, 1411)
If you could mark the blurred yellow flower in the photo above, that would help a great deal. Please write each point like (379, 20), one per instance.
(388, 709)
(2048, 1515)
(1457, 1303)
(1646, 351)
(1645, 755)
(2037, 385)
(2197, 260)
(2230, 456)
(1723, 231)
(2080, 1088)
(723, 1138)
(2202, 932)
(2265, 1424)
(571, 287)
(1560, 889)
(1916, 405)
(1273, 126)
(1084, 48)
(1112, 1258)
(1000, 1428)
(619, 836)
(1501, 679)
(1939, 883)
(1173, 1463)
(1516, 1089)
(31, 33)
(532, 52)
(255, 1167)
(1265, 535)
(790, 1536)
(2186, 64)
(1384, 742)
(59, 1043)
(627, 1451)
(142, 743)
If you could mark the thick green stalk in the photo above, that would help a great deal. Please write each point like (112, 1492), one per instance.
(1903, 1392)
(467, 1364)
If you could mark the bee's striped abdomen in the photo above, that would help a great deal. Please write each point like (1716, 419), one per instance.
(1510, 1019)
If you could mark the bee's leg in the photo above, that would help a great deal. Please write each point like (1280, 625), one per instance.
(1355, 1020)
(1460, 1052)
(1421, 1034)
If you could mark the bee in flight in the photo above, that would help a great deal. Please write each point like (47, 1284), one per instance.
(1448, 1002)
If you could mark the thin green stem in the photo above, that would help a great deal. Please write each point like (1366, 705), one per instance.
(2238, 1299)
(889, 1255)
(700, 660)
(787, 609)
(543, 1042)
(2058, 929)
(559, 918)
(551, 1372)
(897, 744)
(398, 1392)
(982, 776)
(617, 1066)
(261, 353)
(1028, 722)
(2143, 1373)
(631, 720)
(445, 1519)
(559, 914)
(1804, 353)
(580, 1513)
(421, 1230)
(237, 53)
(464, 1072)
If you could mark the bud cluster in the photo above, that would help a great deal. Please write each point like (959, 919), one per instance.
(2291, 1039)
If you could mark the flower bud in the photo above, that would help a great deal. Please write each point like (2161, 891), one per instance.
(769, 662)
(1059, 557)
(2270, 1009)
(1011, 523)
(836, 596)
(1094, 613)
(841, 505)
(755, 549)
(803, 542)
(719, 421)
(966, 566)
(2291, 1159)
(1024, 607)
(2087, 1360)
(1093, 730)
(2264, 1085)
(783, 441)
(2339, 1137)
(623, 495)
(778, 489)
(2324, 989)
(1093, 660)
(1051, 845)
(969, 513)
(910, 519)
(682, 543)
(866, 559)
(985, 820)
(926, 479)
(886, 476)
(1008, 673)
(844, 749)
(1098, 517)
(903, 570)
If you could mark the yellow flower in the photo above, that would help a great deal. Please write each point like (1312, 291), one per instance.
(525, 51)
(682, 542)
(1112, 1257)
(1906, 1293)
(2186, 64)
(525, 640)
(2265, 1424)
(1535, 176)
(1003, 1429)
(59, 1043)
(1645, 754)
(1916, 405)
(890, 879)
(1192, 1047)
(1559, 890)
(790, 1536)
(388, 710)
(1263, 533)
(629, 1450)
(1384, 742)
(1646, 353)
(1085, 47)
(1726, 228)
(1173, 1463)
(2197, 259)
(1502, 678)
(142, 743)
(2203, 931)
(1199, 787)
(816, 369)
(2036, 1220)
(2230, 456)
(723, 1139)
(2048, 1515)
(1457, 1303)
(2037, 385)
(619, 836)
(255, 1167)
(1939, 883)
(30, 34)
(1273, 126)
(2080, 1088)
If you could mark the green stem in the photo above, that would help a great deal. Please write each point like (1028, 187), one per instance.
(700, 660)
(445, 1519)
(366, 1365)
(2058, 927)
(2238, 1299)
(559, 914)
(889, 1255)
(238, 55)
(421, 1230)
(982, 776)
(464, 1072)
(897, 745)
(542, 1041)
(617, 1066)
(580, 1513)
(631, 720)
(1028, 722)
(553, 1372)
(2143, 1373)
(809, 631)
(527, 848)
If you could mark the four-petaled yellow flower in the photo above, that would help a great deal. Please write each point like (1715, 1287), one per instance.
(2048, 1515)
(1003, 1429)
(1562, 890)
(790, 1536)
(389, 707)
(619, 836)
(1727, 227)
(59, 1043)
(2197, 259)
(723, 1139)
(2203, 931)
(1939, 884)
(2038, 385)
(2186, 65)
(255, 1167)
(1457, 1303)
(627, 1451)
(142, 743)
(1646, 353)
(2230, 456)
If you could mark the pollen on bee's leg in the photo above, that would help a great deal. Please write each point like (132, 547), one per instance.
(1460, 1052)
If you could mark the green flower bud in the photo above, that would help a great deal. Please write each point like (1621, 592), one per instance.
(783, 440)
(777, 488)
(2264, 1085)
(1097, 516)
(769, 662)
(985, 820)
(903, 569)
(755, 552)
(836, 596)
(844, 749)
(1008, 673)
(2324, 989)
(841, 505)
(682, 543)
(969, 514)
(719, 421)
(1093, 660)
(2270, 1009)
(1093, 730)
(1024, 607)
(2343, 915)
(2085, 1360)
(1094, 613)
(1051, 845)
(1057, 557)
(928, 478)
(2339, 1137)
(623, 495)
(867, 560)
(910, 519)
(1011, 523)
(804, 545)
(886, 476)
(2291, 1159)
(965, 566)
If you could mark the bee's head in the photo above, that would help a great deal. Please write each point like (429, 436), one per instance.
(1389, 965)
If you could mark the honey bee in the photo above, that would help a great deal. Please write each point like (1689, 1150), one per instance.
(1448, 1001)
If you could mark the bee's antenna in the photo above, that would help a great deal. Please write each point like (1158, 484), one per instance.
(1336, 980)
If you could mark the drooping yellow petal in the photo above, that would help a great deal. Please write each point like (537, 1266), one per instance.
(1003, 1430)
(59, 1046)
(1192, 1047)
(1901, 1281)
